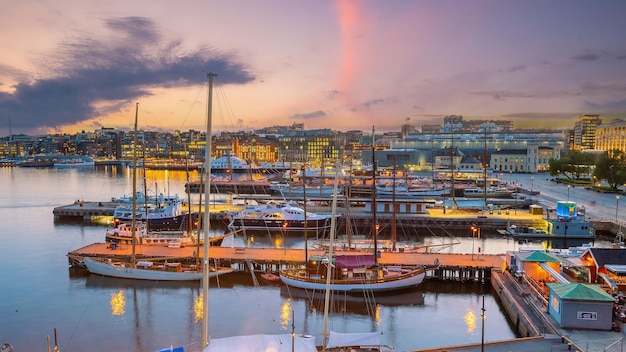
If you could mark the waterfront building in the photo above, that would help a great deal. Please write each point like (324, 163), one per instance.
(585, 132)
(611, 136)
(310, 145)
(532, 159)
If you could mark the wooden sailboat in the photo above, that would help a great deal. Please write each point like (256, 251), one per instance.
(147, 270)
(352, 272)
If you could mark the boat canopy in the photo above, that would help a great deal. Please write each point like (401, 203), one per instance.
(354, 261)
(278, 343)
(338, 339)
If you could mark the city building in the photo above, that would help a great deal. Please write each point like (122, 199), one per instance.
(611, 136)
(585, 132)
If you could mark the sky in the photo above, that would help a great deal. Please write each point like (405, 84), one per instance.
(74, 65)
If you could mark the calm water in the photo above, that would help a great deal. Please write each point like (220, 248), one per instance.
(91, 313)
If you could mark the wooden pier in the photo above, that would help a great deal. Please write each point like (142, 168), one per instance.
(444, 266)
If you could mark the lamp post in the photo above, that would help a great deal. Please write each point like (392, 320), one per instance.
(473, 233)
(482, 314)
(616, 207)
(619, 232)
(568, 193)
(532, 184)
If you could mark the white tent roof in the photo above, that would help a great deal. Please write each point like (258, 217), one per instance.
(338, 339)
(261, 343)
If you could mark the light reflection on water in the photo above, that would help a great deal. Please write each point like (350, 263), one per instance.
(96, 313)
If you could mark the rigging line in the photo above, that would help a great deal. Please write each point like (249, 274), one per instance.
(226, 109)
(195, 100)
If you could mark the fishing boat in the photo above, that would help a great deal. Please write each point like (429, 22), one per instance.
(568, 222)
(145, 269)
(278, 216)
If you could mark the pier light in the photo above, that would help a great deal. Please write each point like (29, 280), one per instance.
(474, 229)
(616, 207)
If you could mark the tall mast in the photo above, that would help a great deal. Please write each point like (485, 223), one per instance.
(375, 221)
(206, 221)
(485, 168)
(329, 272)
(134, 207)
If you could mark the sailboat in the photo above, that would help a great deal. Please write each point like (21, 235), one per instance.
(147, 270)
(352, 272)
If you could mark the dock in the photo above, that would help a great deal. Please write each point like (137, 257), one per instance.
(443, 266)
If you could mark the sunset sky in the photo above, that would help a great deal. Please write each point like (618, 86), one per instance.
(75, 65)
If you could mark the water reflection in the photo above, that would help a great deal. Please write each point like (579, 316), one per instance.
(362, 303)
(470, 320)
(118, 303)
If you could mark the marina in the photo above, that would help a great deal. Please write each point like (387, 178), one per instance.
(462, 266)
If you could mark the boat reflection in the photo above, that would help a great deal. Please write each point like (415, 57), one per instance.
(366, 303)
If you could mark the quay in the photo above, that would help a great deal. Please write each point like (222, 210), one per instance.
(102, 212)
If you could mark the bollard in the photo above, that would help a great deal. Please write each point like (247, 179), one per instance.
(569, 346)
(562, 339)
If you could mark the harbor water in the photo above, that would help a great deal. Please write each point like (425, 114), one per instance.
(91, 313)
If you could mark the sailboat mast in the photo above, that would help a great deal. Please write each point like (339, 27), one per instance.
(375, 221)
(134, 206)
(207, 221)
(333, 229)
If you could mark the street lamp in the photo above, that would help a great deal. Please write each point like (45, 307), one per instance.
(619, 233)
(482, 314)
(474, 228)
(532, 183)
(568, 193)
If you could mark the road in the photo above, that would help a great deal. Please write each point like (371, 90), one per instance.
(597, 205)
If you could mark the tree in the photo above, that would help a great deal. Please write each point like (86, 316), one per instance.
(611, 167)
(573, 165)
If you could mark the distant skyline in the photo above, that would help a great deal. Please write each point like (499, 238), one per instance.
(348, 64)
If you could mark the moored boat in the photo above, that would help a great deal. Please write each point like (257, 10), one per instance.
(147, 270)
(169, 215)
(123, 234)
(568, 223)
(352, 273)
(278, 217)
(491, 192)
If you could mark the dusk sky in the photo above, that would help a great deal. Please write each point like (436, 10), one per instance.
(75, 65)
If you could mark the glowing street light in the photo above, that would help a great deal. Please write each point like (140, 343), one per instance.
(474, 229)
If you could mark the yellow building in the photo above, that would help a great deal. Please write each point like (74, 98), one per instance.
(611, 136)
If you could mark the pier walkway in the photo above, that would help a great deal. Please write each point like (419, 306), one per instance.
(444, 265)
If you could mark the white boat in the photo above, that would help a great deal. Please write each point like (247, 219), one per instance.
(568, 223)
(405, 191)
(229, 162)
(492, 192)
(278, 217)
(298, 190)
(140, 197)
(147, 270)
(75, 161)
(123, 234)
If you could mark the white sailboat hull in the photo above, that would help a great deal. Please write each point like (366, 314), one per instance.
(120, 271)
(407, 280)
